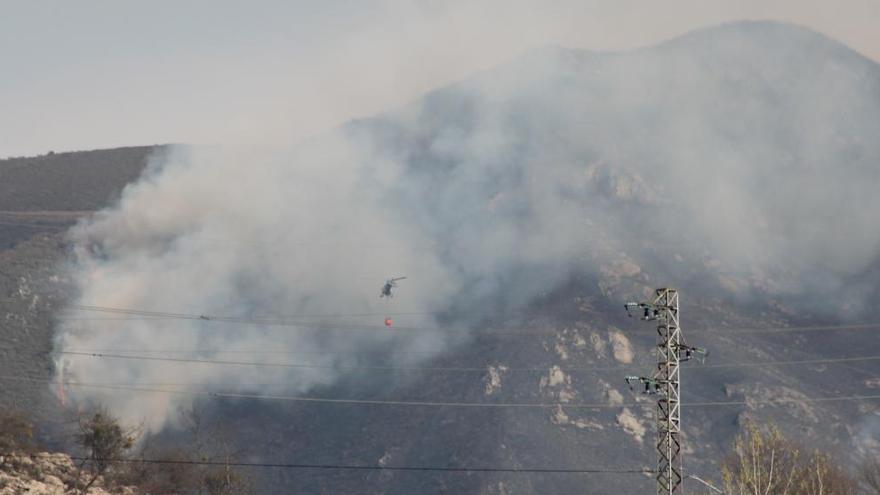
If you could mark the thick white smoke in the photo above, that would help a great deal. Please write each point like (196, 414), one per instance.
(242, 234)
(721, 151)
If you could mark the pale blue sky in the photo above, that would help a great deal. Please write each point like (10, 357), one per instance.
(94, 74)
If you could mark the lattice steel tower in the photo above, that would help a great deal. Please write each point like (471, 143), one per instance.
(666, 383)
(669, 404)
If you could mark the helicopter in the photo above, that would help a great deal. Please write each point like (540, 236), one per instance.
(389, 284)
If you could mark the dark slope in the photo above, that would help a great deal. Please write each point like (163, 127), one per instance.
(40, 197)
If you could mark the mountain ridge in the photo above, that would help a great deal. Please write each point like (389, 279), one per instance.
(609, 141)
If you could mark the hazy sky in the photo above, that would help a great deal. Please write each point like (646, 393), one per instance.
(98, 74)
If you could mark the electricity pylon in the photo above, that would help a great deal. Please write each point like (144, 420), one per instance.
(666, 383)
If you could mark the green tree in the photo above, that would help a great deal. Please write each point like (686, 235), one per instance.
(105, 441)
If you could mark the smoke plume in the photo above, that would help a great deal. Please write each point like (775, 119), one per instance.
(741, 158)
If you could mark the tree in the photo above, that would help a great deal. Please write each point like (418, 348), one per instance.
(176, 476)
(16, 434)
(202, 464)
(764, 462)
(104, 440)
(213, 443)
(869, 476)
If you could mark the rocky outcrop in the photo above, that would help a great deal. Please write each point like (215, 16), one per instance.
(49, 474)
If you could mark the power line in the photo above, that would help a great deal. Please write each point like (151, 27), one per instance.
(60, 214)
(284, 321)
(162, 314)
(135, 352)
(291, 322)
(808, 328)
(35, 225)
(815, 355)
(538, 405)
(781, 400)
(356, 467)
(395, 330)
(306, 365)
(286, 365)
(250, 351)
(233, 395)
(399, 329)
(485, 368)
(761, 364)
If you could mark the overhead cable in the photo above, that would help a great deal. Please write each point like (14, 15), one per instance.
(481, 369)
(419, 403)
(355, 467)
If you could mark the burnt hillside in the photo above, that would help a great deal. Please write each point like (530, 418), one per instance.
(40, 198)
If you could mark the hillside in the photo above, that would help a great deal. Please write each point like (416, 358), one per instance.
(41, 198)
(737, 164)
(72, 181)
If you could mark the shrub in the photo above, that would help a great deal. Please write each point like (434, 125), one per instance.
(765, 462)
(104, 440)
